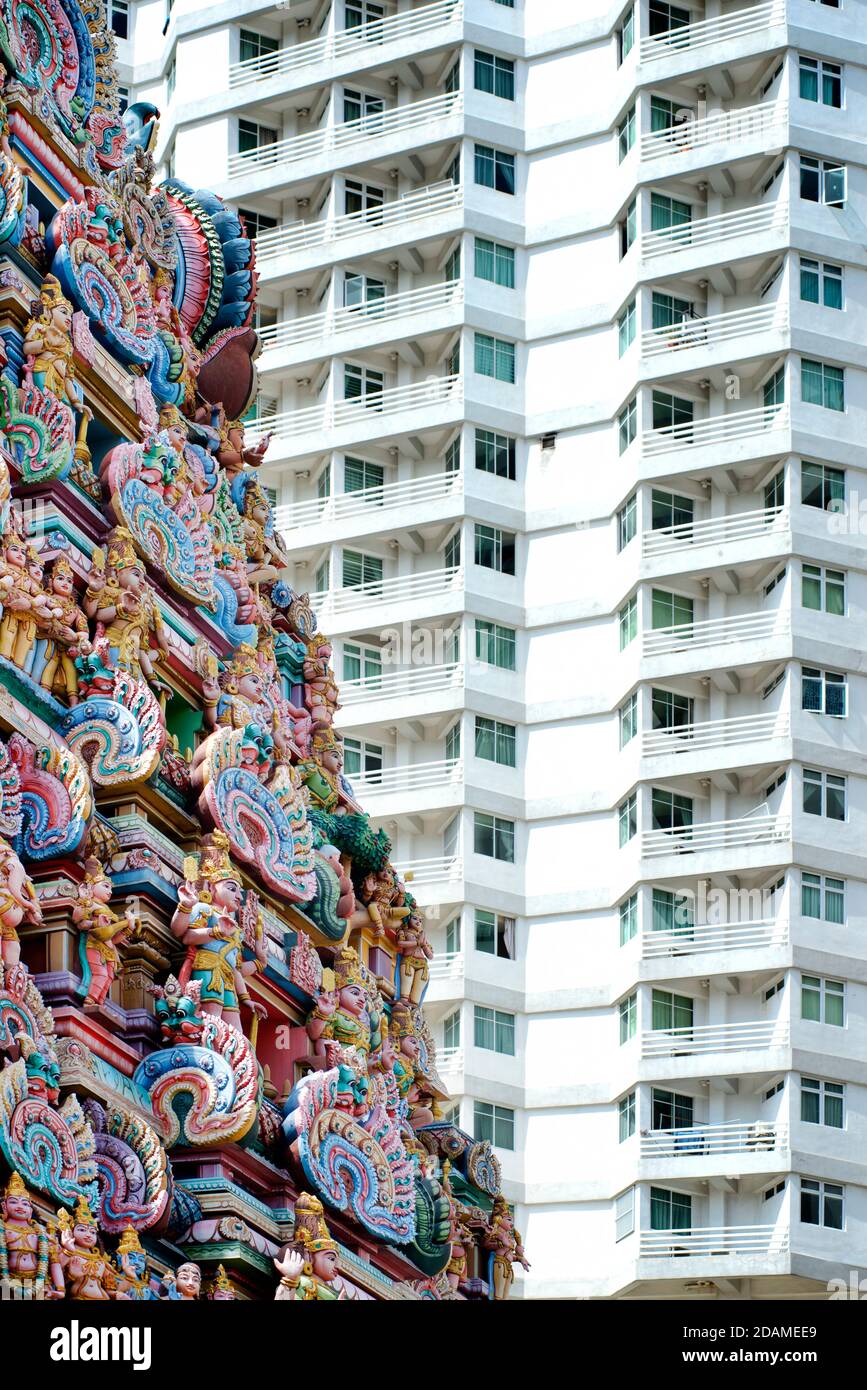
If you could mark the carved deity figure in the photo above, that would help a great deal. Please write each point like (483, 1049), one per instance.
(47, 345)
(266, 556)
(25, 602)
(122, 602)
(78, 1266)
(185, 1285)
(134, 1281)
(460, 1233)
(504, 1242)
(66, 631)
(18, 900)
(222, 1289)
(207, 920)
(102, 932)
(381, 902)
(343, 1015)
(415, 951)
(320, 773)
(233, 453)
(248, 696)
(308, 1271)
(24, 1245)
(321, 692)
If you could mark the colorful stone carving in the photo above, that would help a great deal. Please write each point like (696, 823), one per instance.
(309, 1267)
(24, 1247)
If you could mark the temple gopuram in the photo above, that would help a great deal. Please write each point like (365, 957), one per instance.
(216, 1080)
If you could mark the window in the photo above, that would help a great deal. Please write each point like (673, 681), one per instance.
(669, 710)
(359, 12)
(624, 1214)
(453, 743)
(494, 75)
(774, 389)
(628, 919)
(495, 741)
(453, 456)
(822, 283)
(823, 589)
(362, 759)
(627, 522)
(362, 290)
(670, 810)
(255, 45)
(496, 1123)
(820, 81)
(494, 837)
(494, 549)
(252, 136)
(822, 486)
(663, 113)
(256, 222)
(495, 453)
(321, 578)
(670, 1110)
(363, 384)
(627, 424)
(822, 1102)
(672, 414)
(823, 898)
(823, 182)
(361, 569)
(628, 619)
(452, 552)
(452, 1031)
(495, 263)
(451, 834)
(626, 134)
(357, 106)
(628, 227)
(669, 510)
(823, 1001)
(627, 819)
(670, 610)
(667, 310)
(626, 327)
(775, 491)
(671, 216)
(453, 937)
(626, 1117)
(495, 934)
(494, 1030)
(821, 1202)
(670, 1211)
(664, 17)
(494, 357)
(670, 1011)
(361, 197)
(494, 169)
(495, 645)
(822, 385)
(628, 719)
(823, 692)
(362, 663)
(361, 476)
(118, 18)
(627, 1011)
(453, 78)
(824, 794)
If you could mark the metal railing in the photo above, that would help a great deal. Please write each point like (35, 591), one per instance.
(417, 680)
(744, 627)
(714, 1037)
(334, 322)
(717, 328)
(715, 1240)
(413, 207)
(713, 835)
(720, 128)
(714, 231)
(725, 936)
(364, 501)
(450, 1059)
(362, 38)
(717, 530)
(715, 733)
(333, 414)
(399, 120)
(709, 32)
(716, 429)
(410, 777)
(736, 1138)
(443, 868)
(402, 586)
(447, 967)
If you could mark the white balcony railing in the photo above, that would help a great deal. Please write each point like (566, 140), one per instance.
(715, 733)
(762, 829)
(715, 1240)
(420, 204)
(444, 868)
(718, 328)
(714, 1037)
(373, 313)
(724, 936)
(757, 123)
(367, 501)
(713, 231)
(450, 1059)
(364, 38)
(400, 120)
(736, 1138)
(709, 32)
(334, 414)
(447, 967)
(717, 429)
(396, 590)
(410, 777)
(744, 627)
(717, 530)
(417, 680)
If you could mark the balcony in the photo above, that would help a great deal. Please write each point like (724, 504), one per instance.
(447, 968)
(720, 530)
(717, 429)
(714, 231)
(715, 733)
(373, 411)
(725, 936)
(434, 584)
(708, 33)
(711, 332)
(364, 38)
(752, 829)
(712, 632)
(714, 1240)
(761, 125)
(443, 870)
(411, 777)
(450, 1061)
(420, 205)
(379, 315)
(337, 139)
(737, 1138)
(398, 685)
(714, 1037)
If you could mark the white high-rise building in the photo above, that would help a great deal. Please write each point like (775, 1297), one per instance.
(564, 311)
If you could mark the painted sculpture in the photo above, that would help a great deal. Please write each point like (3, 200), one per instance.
(216, 1079)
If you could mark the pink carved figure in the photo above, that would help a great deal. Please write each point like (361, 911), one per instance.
(18, 901)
